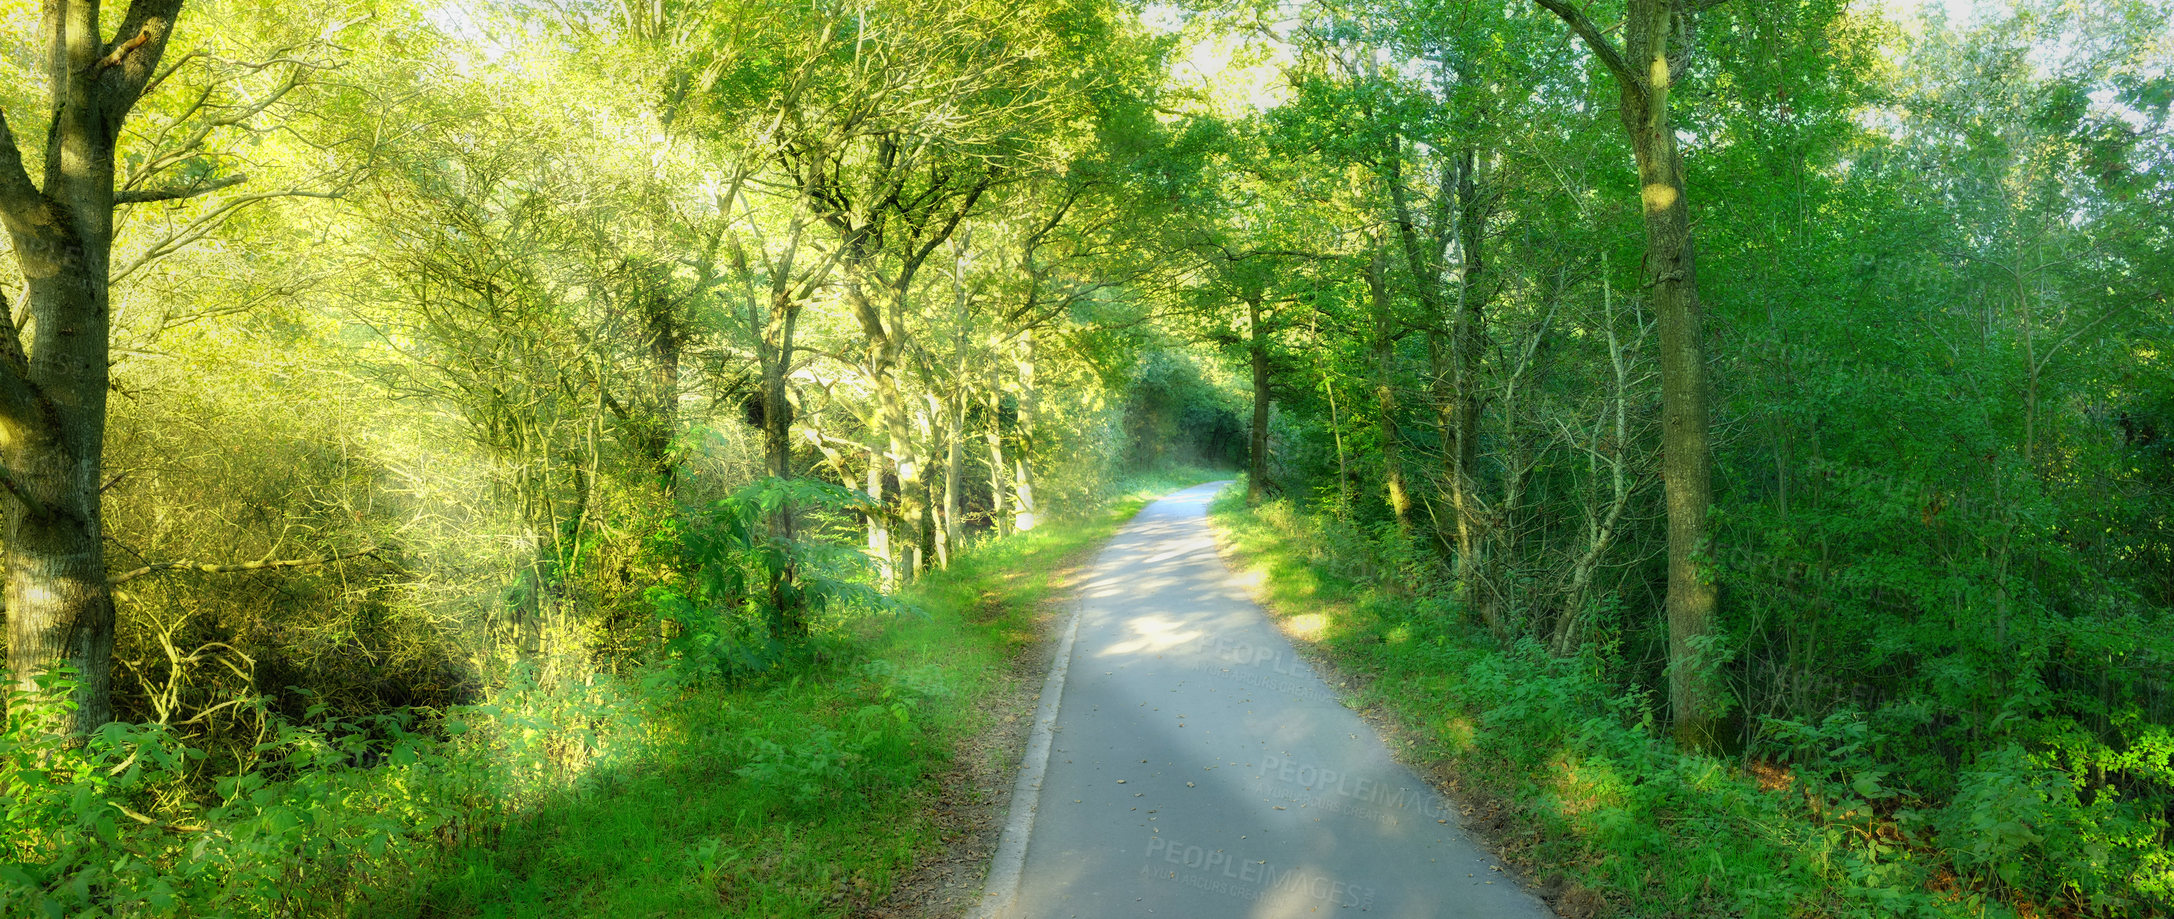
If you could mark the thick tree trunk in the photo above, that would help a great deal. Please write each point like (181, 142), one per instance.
(60, 607)
(53, 394)
(1257, 445)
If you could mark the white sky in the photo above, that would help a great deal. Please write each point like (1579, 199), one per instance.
(1235, 76)
(1957, 10)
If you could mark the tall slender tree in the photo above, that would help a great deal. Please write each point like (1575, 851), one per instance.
(1645, 66)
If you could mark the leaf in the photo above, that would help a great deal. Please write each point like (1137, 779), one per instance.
(1868, 785)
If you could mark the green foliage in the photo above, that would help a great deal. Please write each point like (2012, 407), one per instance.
(1176, 413)
(751, 591)
(328, 810)
(1571, 755)
(799, 790)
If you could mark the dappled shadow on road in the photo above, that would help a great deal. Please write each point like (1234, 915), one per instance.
(1201, 767)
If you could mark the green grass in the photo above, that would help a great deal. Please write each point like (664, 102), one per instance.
(1565, 771)
(807, 795)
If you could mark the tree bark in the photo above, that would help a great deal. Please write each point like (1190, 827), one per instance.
(1257, 449)
(891, 408)
(53, 394)
(1466, 327)
(879, 528)
(994, 434)
(661, 329)
(949, 536)
(1644, 73)
(774, 353)
(1024, 515)
(1452, 245)
(1383, 348)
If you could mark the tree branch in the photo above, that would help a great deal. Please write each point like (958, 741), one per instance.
(36, 507)
(245, 566)
(18, 194)
(146, 195)
(148, 25)
(1601, 46)
(121, 50)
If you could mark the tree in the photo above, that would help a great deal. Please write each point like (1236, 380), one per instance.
(53, 386)
(1644, 68)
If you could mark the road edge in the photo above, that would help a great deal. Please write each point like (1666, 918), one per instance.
(1009, 863)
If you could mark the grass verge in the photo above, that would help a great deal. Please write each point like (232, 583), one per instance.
(1562, 771)
(812, 794)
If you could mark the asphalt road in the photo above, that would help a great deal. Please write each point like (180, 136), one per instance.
(1197, 768)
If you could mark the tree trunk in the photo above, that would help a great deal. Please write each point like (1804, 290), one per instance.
(1257, 450)
(1466, 328)
(1686, 464)
(661, 328)
(931, 422)
(879, 528)
(1383, 348)
(1455, 227)
(1024, 516)
(1644, 73)
(53, 394)
(776, 348)
(60, 608)
(948, 538)
(891, 408)
(1463, 536)
(994, 434)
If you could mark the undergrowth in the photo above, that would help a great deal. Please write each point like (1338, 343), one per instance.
(804, 789)
(1594, 799)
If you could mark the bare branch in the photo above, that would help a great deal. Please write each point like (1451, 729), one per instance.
(204, 224)
(245, 566)
(147, 195)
